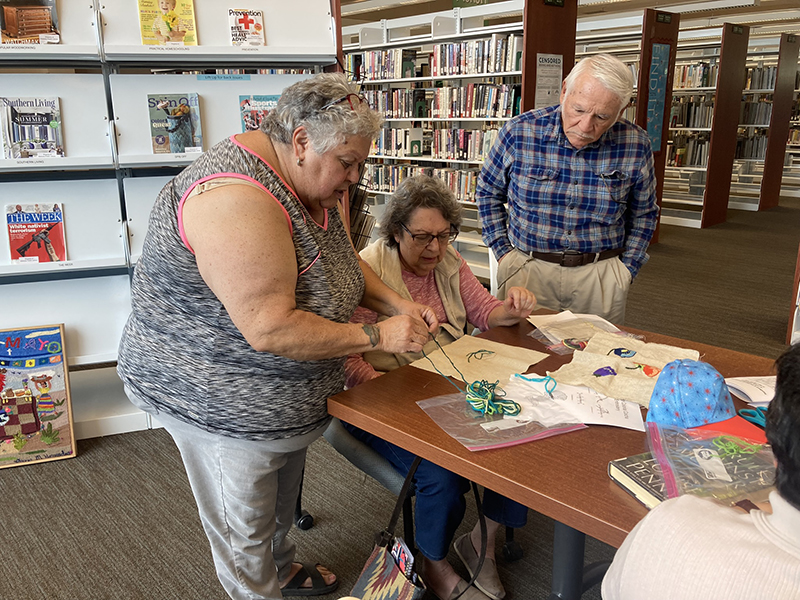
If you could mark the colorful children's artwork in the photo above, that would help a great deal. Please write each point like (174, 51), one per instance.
(35, 409)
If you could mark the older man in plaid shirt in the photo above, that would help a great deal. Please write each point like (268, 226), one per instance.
(580, 188)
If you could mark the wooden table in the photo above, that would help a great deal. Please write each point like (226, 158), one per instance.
(564, 477)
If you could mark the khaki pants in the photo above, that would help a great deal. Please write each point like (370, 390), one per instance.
(600, 288)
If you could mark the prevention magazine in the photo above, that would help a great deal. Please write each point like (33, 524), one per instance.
(247, 27)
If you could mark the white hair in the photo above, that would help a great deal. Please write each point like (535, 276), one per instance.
(610, 71)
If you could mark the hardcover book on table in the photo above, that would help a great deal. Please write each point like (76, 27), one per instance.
(246, 27)
(167, 22)
(253, 110)
(29, 22)
(31, 127)
(36, 233)
(640, 475)
(175, 125)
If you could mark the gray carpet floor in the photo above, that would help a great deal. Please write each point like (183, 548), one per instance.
(119, 521)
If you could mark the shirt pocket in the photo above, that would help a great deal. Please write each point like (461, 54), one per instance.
(536, 185)
(616, 185)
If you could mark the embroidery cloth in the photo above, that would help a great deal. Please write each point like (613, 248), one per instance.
(623, 368)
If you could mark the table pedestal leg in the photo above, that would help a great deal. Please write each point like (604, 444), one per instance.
(570, 577)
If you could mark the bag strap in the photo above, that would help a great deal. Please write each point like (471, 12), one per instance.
(482, 555)
(382, 538)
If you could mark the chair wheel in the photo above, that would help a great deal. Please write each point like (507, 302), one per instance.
(305, 522)
(512, 551)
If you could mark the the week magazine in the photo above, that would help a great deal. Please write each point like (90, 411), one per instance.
(36, 233)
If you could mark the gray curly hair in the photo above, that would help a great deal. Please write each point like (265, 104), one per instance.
(419, 191)
(610, 71)
(301, 104)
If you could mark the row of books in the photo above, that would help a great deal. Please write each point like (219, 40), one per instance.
(501, 53)
(475, 100)
(756, 113)
(761, 78)
(237, 71)
(31, 128)
(394, 63)
(162, 22)
(698, 75)
(794, 136)
(692, 111)
(462, 144)
(688, 151)
(751, 144)
(386, 178)
(498, 54)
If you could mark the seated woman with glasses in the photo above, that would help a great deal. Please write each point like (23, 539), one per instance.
(414, 258)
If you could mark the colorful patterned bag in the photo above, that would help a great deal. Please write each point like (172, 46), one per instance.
(381, 578)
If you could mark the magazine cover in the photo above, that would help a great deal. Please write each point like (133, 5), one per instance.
(253, 110)
(175, 123)
(167, 22)
(31, 127)
(247, 27)
(35, 409)
(36, 233)
(29, 22)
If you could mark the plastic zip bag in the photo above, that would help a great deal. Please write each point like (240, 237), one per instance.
(477, 431)
(712, 464)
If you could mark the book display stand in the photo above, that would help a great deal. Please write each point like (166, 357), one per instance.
(109, 175)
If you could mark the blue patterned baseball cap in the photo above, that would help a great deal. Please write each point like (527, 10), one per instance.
(689, 393)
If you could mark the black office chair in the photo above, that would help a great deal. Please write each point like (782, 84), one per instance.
(376, 466)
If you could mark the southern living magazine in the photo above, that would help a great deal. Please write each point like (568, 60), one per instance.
(175, 123)
(247, 27)
(167, 22)
(29, 22)
(31, 127)
(36, 233)
(253, 109)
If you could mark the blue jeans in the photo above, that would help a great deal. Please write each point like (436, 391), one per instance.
(440, 503)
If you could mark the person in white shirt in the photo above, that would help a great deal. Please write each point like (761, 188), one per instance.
(690, 548)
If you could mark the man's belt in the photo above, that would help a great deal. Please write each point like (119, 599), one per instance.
(575, 259)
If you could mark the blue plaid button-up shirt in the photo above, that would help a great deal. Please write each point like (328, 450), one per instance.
(601, 197)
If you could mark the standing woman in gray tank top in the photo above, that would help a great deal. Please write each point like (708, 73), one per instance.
(239, 328)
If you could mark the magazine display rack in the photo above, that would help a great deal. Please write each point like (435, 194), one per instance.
(467, 69)
(109, 176)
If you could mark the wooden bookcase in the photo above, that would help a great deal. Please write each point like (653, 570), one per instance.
(540, 29)
(108, 179)
(654, 88)
(761, 147)
(712, 177)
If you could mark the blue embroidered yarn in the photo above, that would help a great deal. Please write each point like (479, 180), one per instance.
(689, 393)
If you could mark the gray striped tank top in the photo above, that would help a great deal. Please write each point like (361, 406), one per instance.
(181, 353)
